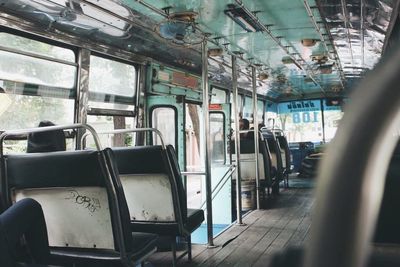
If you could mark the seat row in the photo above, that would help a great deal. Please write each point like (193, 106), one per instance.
(273, 158)
(103, 206)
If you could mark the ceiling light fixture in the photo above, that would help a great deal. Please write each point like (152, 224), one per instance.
(308, 42)
(215, 52)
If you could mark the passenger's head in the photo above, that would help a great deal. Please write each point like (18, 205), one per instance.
(46, 141)
(244, 124)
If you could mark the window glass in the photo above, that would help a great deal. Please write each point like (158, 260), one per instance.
(194, 155)
(240, 100)
(273, 121)
(194, 137)
(218, 96)
(109, 123)
(111, 77)
(301, 120)
(20, 111)
(26, 69)
(332, 117)
(35, 47)
(260, 111)
(248, 109)
(217, 133)
(164, 119)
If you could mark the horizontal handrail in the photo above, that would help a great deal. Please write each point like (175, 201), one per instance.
(50, 128)
(137, 130)
(193, 173)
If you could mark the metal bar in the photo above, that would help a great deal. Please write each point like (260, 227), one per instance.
(220, 184)
(50, 128)
(314, 22)
(119, 131)
(255, 126)
(37, 56)
(362, 32)
(321, 36)
(162, 13)
(82, 100)
(241, 72)
(346, 25)
(265, 29)
(207, 139)
(323, 120)
(237, 141)
(193, 173)
(152, 8)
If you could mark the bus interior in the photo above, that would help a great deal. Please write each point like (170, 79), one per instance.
(129, 132)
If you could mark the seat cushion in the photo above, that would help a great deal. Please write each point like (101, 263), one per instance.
(143, 244)
(194, 219)
(159, 228)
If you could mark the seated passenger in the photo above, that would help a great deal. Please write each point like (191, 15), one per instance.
(46, 141)
(24, 218)
(244, 124)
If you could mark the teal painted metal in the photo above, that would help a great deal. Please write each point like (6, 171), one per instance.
(130, 29)
(288, 19)
(170, 101)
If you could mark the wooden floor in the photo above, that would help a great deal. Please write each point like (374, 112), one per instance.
(286, 223)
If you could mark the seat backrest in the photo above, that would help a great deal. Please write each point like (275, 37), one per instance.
(285, 151)
(247, 159)
(276, 159)
(149, 185)
(179, 182)
(75, 192)
(388, 230)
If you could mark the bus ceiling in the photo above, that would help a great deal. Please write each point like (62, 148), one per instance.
(301, 49)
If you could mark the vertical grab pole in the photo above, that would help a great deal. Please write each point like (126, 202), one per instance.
(237, 142)
(206, 122)
(255, 124)
(323, 120)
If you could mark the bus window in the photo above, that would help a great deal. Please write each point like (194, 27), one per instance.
(240, 108)
(332, 117)
(260, 111)
(30, 61)
(217, 133)
(248, 109)
(218, 96)
(301, 120)
(109, 123)
(194, 154)
(32, 46)
(164, 119)
(112, 84)
(36, 84)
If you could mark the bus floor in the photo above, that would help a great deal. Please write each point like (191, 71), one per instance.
(286, 223)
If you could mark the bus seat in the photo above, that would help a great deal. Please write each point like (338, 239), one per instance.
(285, 155)
(276, 160)
(150, 169)
(247, 162)
(79, 205)
(388, 225)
